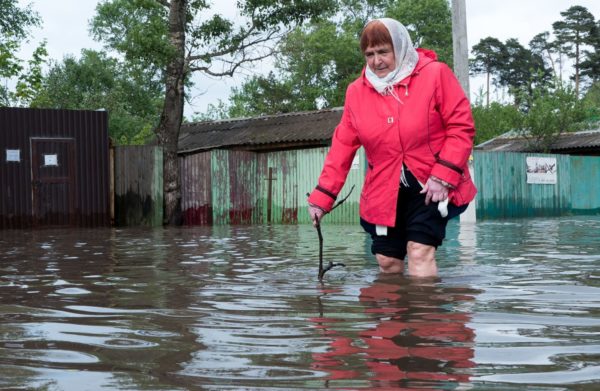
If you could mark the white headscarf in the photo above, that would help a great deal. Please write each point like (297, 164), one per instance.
(405, 53)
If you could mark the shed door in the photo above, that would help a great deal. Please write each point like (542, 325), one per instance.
(53, 181)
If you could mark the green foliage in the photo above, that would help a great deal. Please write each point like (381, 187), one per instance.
(264, 95)
(573, 33)
(303, 82)
(490, 56)
(429, 22)
(15, 23)
(591, 102)
(574, 30)
(493, 120)
(136, 28)
(96, 81)
(316, 62)
(522, 70)
(590, 66)
(544, 114)
(550, 52)
(30, 82)
(550, 113)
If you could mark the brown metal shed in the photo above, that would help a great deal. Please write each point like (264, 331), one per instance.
(54, 168)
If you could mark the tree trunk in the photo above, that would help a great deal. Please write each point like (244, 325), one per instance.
(169, 124)
(487, 93)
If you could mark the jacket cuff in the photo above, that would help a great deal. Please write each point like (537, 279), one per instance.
(322, 198)
(446, 174)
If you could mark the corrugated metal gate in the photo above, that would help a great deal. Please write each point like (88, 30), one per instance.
(53, 181)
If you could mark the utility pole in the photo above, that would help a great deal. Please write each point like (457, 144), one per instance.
(460, 46)
(460, 49)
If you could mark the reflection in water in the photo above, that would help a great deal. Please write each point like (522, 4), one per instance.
(233, 308)
(417, 336)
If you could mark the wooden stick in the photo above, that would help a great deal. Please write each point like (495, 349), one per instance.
(330, 265)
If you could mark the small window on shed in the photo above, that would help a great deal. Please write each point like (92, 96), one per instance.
(50, 160)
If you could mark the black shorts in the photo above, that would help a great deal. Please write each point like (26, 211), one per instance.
(415, 222)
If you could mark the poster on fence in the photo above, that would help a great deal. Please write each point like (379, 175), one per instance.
(541, 170)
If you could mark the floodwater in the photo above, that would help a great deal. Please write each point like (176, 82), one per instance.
(240, 308)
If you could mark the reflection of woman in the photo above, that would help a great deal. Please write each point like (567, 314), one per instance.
(415, 123)
(421, 336)
(418, 335)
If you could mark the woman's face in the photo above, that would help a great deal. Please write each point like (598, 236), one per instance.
(381, 59)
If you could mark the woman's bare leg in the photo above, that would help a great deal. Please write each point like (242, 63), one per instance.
(389, 264)
(421, 260)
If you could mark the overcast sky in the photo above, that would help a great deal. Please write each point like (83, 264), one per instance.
(65, 27)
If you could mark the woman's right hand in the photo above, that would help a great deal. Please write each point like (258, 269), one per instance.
(316, 213)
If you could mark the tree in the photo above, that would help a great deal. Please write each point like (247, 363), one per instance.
(30, 81)
(590, 67)
(493, 120)
(96, 81)
(551, 113)
(550, 52)
(490, 56)
(522, 70)
(573, 33)
(303, 82)
(175, 39)
(14, 29)
(591, 101)
(429, 23)
(319, 80)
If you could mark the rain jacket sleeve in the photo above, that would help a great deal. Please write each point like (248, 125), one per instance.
(337, 164)
(455, 111)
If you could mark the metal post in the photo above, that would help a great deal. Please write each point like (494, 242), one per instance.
(460, 49)
(460, 45)
(270, 194)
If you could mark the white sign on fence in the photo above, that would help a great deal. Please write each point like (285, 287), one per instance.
(541, 170)
(13, 155)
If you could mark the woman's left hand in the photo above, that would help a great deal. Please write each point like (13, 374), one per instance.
(434, 191)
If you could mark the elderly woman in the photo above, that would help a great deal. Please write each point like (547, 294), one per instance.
(412, 117)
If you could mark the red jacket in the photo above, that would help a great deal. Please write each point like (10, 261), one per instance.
(431, 132)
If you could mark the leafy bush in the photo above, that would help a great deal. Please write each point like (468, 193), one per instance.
(495, 120)
(549, 113)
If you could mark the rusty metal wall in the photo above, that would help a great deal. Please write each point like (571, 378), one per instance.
(89, 132)
(278, 181)
(139, 186)
(234, 187)
(196, 194)
(240, 187)
(309, 166)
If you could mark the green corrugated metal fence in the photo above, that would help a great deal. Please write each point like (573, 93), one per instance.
(240, 187)
(501, 178)
(585, 184)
